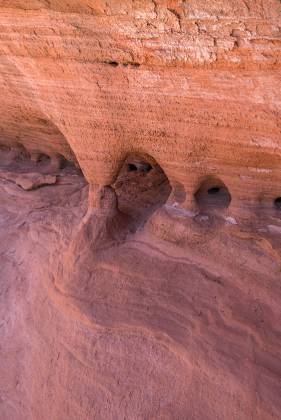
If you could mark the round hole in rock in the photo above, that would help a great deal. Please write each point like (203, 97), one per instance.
(213, 190)
(139, 166)
(141, 187)
(213, 194)
(277, 203)
(132, 167)
(43, 158)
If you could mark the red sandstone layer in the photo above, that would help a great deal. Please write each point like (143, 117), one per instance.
(149, 288)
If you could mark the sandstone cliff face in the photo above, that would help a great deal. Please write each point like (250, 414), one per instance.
(140, 156)
(196, 85)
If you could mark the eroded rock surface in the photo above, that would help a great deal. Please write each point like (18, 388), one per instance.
(140, 209)
(178, 320)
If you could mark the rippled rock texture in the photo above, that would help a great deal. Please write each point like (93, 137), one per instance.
(140, 209)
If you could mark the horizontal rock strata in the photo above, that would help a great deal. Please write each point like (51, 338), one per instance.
(140, 209)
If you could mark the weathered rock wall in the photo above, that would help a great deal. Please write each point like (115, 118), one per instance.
(179, 321)
(113, 304)
(196, 85)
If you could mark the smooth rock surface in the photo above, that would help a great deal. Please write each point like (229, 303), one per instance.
(179, 320)
(143, 282)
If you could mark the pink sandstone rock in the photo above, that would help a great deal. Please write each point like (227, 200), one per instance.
(140, 258)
